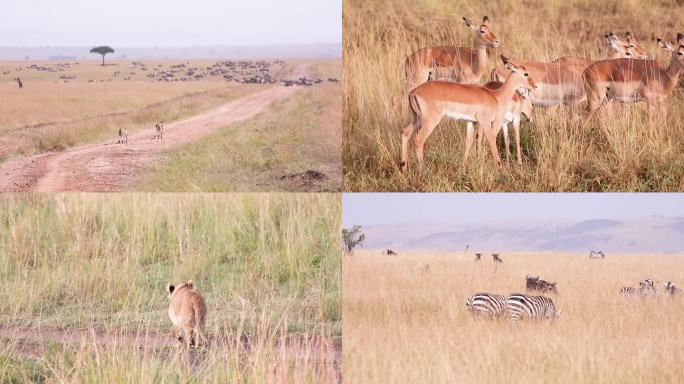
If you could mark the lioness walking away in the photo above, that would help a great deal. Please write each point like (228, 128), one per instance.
(188, 313)
(160, 130)
(123, 136)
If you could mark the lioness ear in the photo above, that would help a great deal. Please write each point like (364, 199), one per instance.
(468, 23)
(170, 288)
(190, 284)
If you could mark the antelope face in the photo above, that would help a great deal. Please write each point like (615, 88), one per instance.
(629, 49)
(677, 50)
(483, 34)
(634, 49)
(523, 77)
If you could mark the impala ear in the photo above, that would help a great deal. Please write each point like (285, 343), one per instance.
(190, 284)
(665, 45)
(485, 21)
(680, 38)
(170, 288)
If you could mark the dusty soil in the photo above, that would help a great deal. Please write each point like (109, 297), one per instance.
(111, 167)
(31, 343)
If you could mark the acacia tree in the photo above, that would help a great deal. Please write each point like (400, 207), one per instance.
(352, 238)
(102, 50)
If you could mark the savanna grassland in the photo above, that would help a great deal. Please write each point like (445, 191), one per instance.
(52, 113)
(403, 324)
(267, 152)
(83, 276)
(619, 154)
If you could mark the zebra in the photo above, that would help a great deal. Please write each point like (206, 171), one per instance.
(647, 287)
(496, 258)
(672, 289)
(123, 136)
(160, 130)
(390, 252)
(522, 306)
(596, 255)
(478, 256)
(487, 305)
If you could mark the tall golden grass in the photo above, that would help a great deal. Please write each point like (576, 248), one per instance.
(267, 264)
(558, 155)
(405, 325)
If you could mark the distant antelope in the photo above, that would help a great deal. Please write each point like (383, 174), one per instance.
(447, 62)
(671, 289)
(426, 268)
(487, 305)
(496, 258)
(521, 306)
(478, 256)
(628, 80)
(390, 252)
(160, 130)
(123, 136)
(21, 85)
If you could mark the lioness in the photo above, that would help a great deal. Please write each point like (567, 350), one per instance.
(123, 136)
(188, 313)
(160, 130)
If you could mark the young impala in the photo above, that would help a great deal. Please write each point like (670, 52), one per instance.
(433, 100)
(560, 82)
(447, 62)
(628, 80)
(520, 105)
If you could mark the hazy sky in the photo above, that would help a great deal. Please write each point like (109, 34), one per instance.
(166, 23)
(391, 208)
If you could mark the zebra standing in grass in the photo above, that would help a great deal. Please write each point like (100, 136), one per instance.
(522, 306)
(647, 287)
(487, 305)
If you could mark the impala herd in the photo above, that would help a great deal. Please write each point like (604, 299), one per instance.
(442, 81)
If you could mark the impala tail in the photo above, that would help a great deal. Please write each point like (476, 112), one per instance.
(415, 110)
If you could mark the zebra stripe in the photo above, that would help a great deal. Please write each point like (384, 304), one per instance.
(487, 305)
(522, 306)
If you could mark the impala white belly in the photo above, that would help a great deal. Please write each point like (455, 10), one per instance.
(459, 116)
(625, 92)
(547, 95)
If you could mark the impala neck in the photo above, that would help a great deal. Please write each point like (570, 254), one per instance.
(613, 54)
(672, 71)
(507, 90)
(480, 63)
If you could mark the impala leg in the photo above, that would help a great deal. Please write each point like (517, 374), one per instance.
(595, 97)
(406, 134)
(470, 136)
(516, 127)
(421, 138)
(478, 136)
(506, 141)
(489, 131)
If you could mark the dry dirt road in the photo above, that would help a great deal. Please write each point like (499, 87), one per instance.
(31, 343)
(112, 167)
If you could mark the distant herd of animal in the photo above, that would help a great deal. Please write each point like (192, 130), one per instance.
(441, 81)
(519, 306)
(123, 133)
